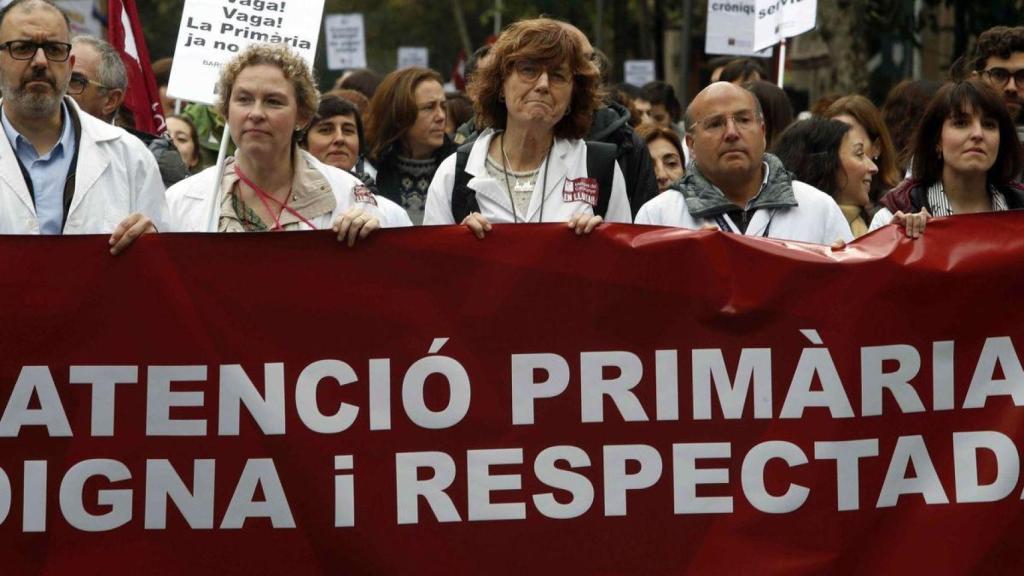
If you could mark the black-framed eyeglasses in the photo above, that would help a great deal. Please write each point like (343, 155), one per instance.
(78, 83)
(26, 50)
(1001, 76)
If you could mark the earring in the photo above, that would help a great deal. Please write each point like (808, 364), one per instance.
(501, 98)
(568, 110)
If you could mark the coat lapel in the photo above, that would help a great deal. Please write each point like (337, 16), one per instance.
(11, 175)
(553, 171)
(481, 182)
(92, 161)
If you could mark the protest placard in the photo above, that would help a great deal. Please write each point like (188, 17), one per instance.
(214, 31)
(345, 40)
(779, 19)
(639, 72)
(730, 29)
(409, 56)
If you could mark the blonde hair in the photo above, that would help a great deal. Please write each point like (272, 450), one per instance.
(292, 65)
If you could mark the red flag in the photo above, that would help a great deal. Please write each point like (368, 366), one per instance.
(142, 98)
(459, 71)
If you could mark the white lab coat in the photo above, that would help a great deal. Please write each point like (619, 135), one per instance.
(568, 160)
(191, 199)
(116, 176)
(816, 218)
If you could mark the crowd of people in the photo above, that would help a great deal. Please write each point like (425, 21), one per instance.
(539, 136)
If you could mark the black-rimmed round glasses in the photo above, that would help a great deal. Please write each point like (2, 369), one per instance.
(1001, 76)
(26, 50)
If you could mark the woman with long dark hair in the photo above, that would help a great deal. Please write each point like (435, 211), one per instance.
(833, 157)
(966, 157)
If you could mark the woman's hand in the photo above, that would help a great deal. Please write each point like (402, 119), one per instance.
(913, 224)
(584, 223)
(477, 224)
(354, 224)
(128, 230)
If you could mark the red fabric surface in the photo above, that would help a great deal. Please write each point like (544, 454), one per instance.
(301, 297)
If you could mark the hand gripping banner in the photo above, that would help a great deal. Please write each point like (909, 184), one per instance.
(639, 401)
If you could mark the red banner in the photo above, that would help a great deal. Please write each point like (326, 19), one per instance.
(640, 401)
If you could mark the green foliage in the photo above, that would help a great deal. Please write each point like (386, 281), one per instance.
(160, 21)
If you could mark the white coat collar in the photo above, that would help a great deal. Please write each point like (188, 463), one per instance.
(11, 174)
(557, 168)
(92, 161)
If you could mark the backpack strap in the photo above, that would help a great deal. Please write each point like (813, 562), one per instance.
(601, 166)
(463, 197)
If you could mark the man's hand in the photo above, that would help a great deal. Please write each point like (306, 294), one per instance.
(128, 230)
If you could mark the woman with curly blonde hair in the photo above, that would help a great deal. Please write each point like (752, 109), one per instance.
(268, 96)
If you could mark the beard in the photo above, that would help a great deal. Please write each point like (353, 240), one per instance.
(1015, 110)
(30, 102)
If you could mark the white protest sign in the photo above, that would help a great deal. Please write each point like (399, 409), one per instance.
(409, 56)
(639, 72)
(346, 41)
(730, 29)
(214, 31)
(778, 19)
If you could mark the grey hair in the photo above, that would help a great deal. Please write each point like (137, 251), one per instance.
(111, 70)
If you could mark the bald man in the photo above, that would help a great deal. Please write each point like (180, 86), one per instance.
(735, 186)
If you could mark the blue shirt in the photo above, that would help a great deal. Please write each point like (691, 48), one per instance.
(48, 173)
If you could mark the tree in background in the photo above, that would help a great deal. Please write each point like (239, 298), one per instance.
(854, 30)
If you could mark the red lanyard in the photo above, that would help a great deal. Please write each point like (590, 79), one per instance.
(264, 197)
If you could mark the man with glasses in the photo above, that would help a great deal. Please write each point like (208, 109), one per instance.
(999, 59)
(734, 186)
(98, 84)
(98, 78)
(63, 171)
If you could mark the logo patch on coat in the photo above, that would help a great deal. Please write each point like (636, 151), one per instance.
(364, 194)
(580, 190)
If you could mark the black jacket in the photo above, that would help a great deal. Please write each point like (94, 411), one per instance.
(611, 125)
